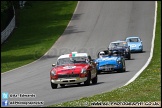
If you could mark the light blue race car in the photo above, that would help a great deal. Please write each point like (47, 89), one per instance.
(135, 44)
(110, 62)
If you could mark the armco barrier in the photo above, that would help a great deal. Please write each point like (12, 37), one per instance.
(7, 31)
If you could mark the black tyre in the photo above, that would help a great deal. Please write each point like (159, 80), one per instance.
(141, 51)
(78, 83)
(87, 82)
(94, 80)
(124, 67)
(122, 70)
(119, 70)
(98, 71)
(54, 86)
(62, 85)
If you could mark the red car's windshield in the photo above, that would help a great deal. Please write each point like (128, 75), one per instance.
(64, 61)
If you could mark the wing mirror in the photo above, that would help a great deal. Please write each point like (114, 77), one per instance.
(141, 41)
(53, 65)
(92, 60)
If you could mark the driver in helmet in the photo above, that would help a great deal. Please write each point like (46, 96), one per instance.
(101, 54)
(115, 53)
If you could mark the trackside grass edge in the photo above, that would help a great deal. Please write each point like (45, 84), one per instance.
(38, 25)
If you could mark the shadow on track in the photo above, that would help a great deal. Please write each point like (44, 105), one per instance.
(77, 85)
(138, 52)
(111, 72)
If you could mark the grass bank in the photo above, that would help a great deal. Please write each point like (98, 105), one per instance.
(39, 25)
(145, 89)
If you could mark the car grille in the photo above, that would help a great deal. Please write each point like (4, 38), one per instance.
(107, 66)
(68, 75)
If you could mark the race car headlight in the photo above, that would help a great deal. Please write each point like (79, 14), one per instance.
(140, 46)
(53, 73)
(83, 71)
(119, 61)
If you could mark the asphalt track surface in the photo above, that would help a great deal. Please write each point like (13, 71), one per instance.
(93, 26)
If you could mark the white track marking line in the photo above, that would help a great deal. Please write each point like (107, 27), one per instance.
(151, 53)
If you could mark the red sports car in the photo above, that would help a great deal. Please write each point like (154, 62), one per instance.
(73, 68)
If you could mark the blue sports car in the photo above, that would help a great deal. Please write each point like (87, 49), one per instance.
(135, 44)
(110, 62)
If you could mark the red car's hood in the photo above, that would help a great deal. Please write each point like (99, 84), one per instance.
(71, 68)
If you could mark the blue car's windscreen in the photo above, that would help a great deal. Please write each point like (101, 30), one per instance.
(133, 40)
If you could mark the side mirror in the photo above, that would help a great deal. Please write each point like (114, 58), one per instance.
(53, 65)
(141, 41)
(92, 60)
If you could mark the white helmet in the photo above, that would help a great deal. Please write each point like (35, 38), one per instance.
(101, 53)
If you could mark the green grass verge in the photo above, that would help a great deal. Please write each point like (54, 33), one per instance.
(146, 88)
(39, 25)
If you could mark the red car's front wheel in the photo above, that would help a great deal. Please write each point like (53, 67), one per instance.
(94, 80)
(54, 86)
(87, 82)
